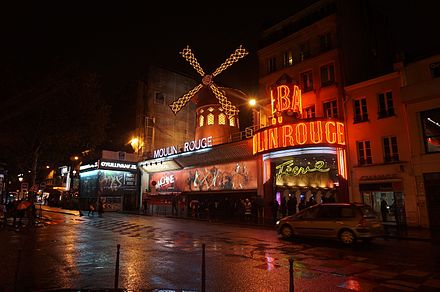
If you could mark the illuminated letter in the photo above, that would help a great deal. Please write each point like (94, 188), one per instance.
(340, 133)
(330, 134)
(287, 134)
(283, 93)
(301, 133)
(316, 134)
(273, 138)
(296, 104)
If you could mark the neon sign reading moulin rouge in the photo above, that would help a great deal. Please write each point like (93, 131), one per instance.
(187, 146)
(299, 134)
(289, 168)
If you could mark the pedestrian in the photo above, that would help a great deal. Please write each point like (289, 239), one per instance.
(174, 205)
(100, 208)
(247, 209)
(384, 209)
(283, 206)
(275, 206)
(291, 205)
(144, 206)
(91, 209)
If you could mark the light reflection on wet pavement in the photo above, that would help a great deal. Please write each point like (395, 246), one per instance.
(164, 253)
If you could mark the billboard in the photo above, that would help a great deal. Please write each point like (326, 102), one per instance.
(231, 176)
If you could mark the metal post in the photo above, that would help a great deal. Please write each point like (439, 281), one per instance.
(203, 269)
(117, 267)
(17, 269)
(291, 287)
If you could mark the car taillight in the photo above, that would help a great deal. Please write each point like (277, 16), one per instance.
(363, 223)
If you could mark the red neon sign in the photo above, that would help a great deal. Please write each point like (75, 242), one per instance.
(285, 99)
(312, 133)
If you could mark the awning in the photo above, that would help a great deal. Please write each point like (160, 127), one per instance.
(223, 153)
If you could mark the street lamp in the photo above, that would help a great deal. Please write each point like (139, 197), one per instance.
(259, 114)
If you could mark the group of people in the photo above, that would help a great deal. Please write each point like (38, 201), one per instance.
(99, 205)
(289, 205)
(19, 209)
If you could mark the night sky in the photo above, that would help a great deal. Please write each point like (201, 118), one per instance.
(119, 40)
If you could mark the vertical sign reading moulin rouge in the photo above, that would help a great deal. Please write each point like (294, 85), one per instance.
(285, 98)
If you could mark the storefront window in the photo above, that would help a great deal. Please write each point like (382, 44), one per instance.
(431, 130)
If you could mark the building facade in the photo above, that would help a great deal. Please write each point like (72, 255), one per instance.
(156, 125)
(420, 94)
(379, 149)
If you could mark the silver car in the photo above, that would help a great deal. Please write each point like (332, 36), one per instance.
(344, 221)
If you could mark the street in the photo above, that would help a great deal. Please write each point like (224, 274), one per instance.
(79, 252)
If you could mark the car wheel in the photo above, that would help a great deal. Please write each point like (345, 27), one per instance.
(347, 237)
(286, 231)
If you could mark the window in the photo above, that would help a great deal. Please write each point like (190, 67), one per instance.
(329, 212)
(307, 81)
(232, 121)
(210, 119)
(288, 58)
(325, 42)
(364, 153)
(390, 151)
(222, 119)
(309, 112)
(386, 108)
(201, 121)
(431, 129)
(271, 65)
(331, 109)
(159, 98)
(435, 69)
(360, 110)
(327, 74)
(304, 51)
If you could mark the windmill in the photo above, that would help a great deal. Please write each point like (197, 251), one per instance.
(207, 80)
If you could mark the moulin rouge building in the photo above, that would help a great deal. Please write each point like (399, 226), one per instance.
(290, 156)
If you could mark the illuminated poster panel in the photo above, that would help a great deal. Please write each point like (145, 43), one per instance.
(116, 182)
(307, 170)
(232, 176)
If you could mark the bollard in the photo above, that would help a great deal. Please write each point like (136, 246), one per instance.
(117, 267)
(17, 269)
(292, 287)
(203, 268)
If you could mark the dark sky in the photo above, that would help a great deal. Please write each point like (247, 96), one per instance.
(118, 39)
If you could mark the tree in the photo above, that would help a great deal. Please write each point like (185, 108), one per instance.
(56, 115)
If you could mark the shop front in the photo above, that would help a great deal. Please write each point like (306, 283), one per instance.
(113, 182)
(386, 198)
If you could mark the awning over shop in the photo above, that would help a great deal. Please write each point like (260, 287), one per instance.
(224, 153)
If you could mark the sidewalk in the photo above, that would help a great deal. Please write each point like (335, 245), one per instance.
(409, 233)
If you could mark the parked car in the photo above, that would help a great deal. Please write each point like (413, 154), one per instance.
(347, 222)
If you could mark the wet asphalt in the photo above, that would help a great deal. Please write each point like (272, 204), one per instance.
(67, 251)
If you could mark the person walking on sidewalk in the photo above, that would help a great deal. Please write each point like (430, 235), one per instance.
(100, 208)
(91, 209)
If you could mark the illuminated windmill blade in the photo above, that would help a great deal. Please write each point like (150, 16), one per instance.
(189, 56)
(234, 57)
(177, 105)
(229, 108)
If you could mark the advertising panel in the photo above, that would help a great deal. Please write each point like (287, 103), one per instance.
(113, 182)
(232, 176)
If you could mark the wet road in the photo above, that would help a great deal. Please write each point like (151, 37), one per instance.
(156, 252)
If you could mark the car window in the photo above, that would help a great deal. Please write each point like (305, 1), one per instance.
(329, 212)
(347, 212)
(366, 211)
(310, 213)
